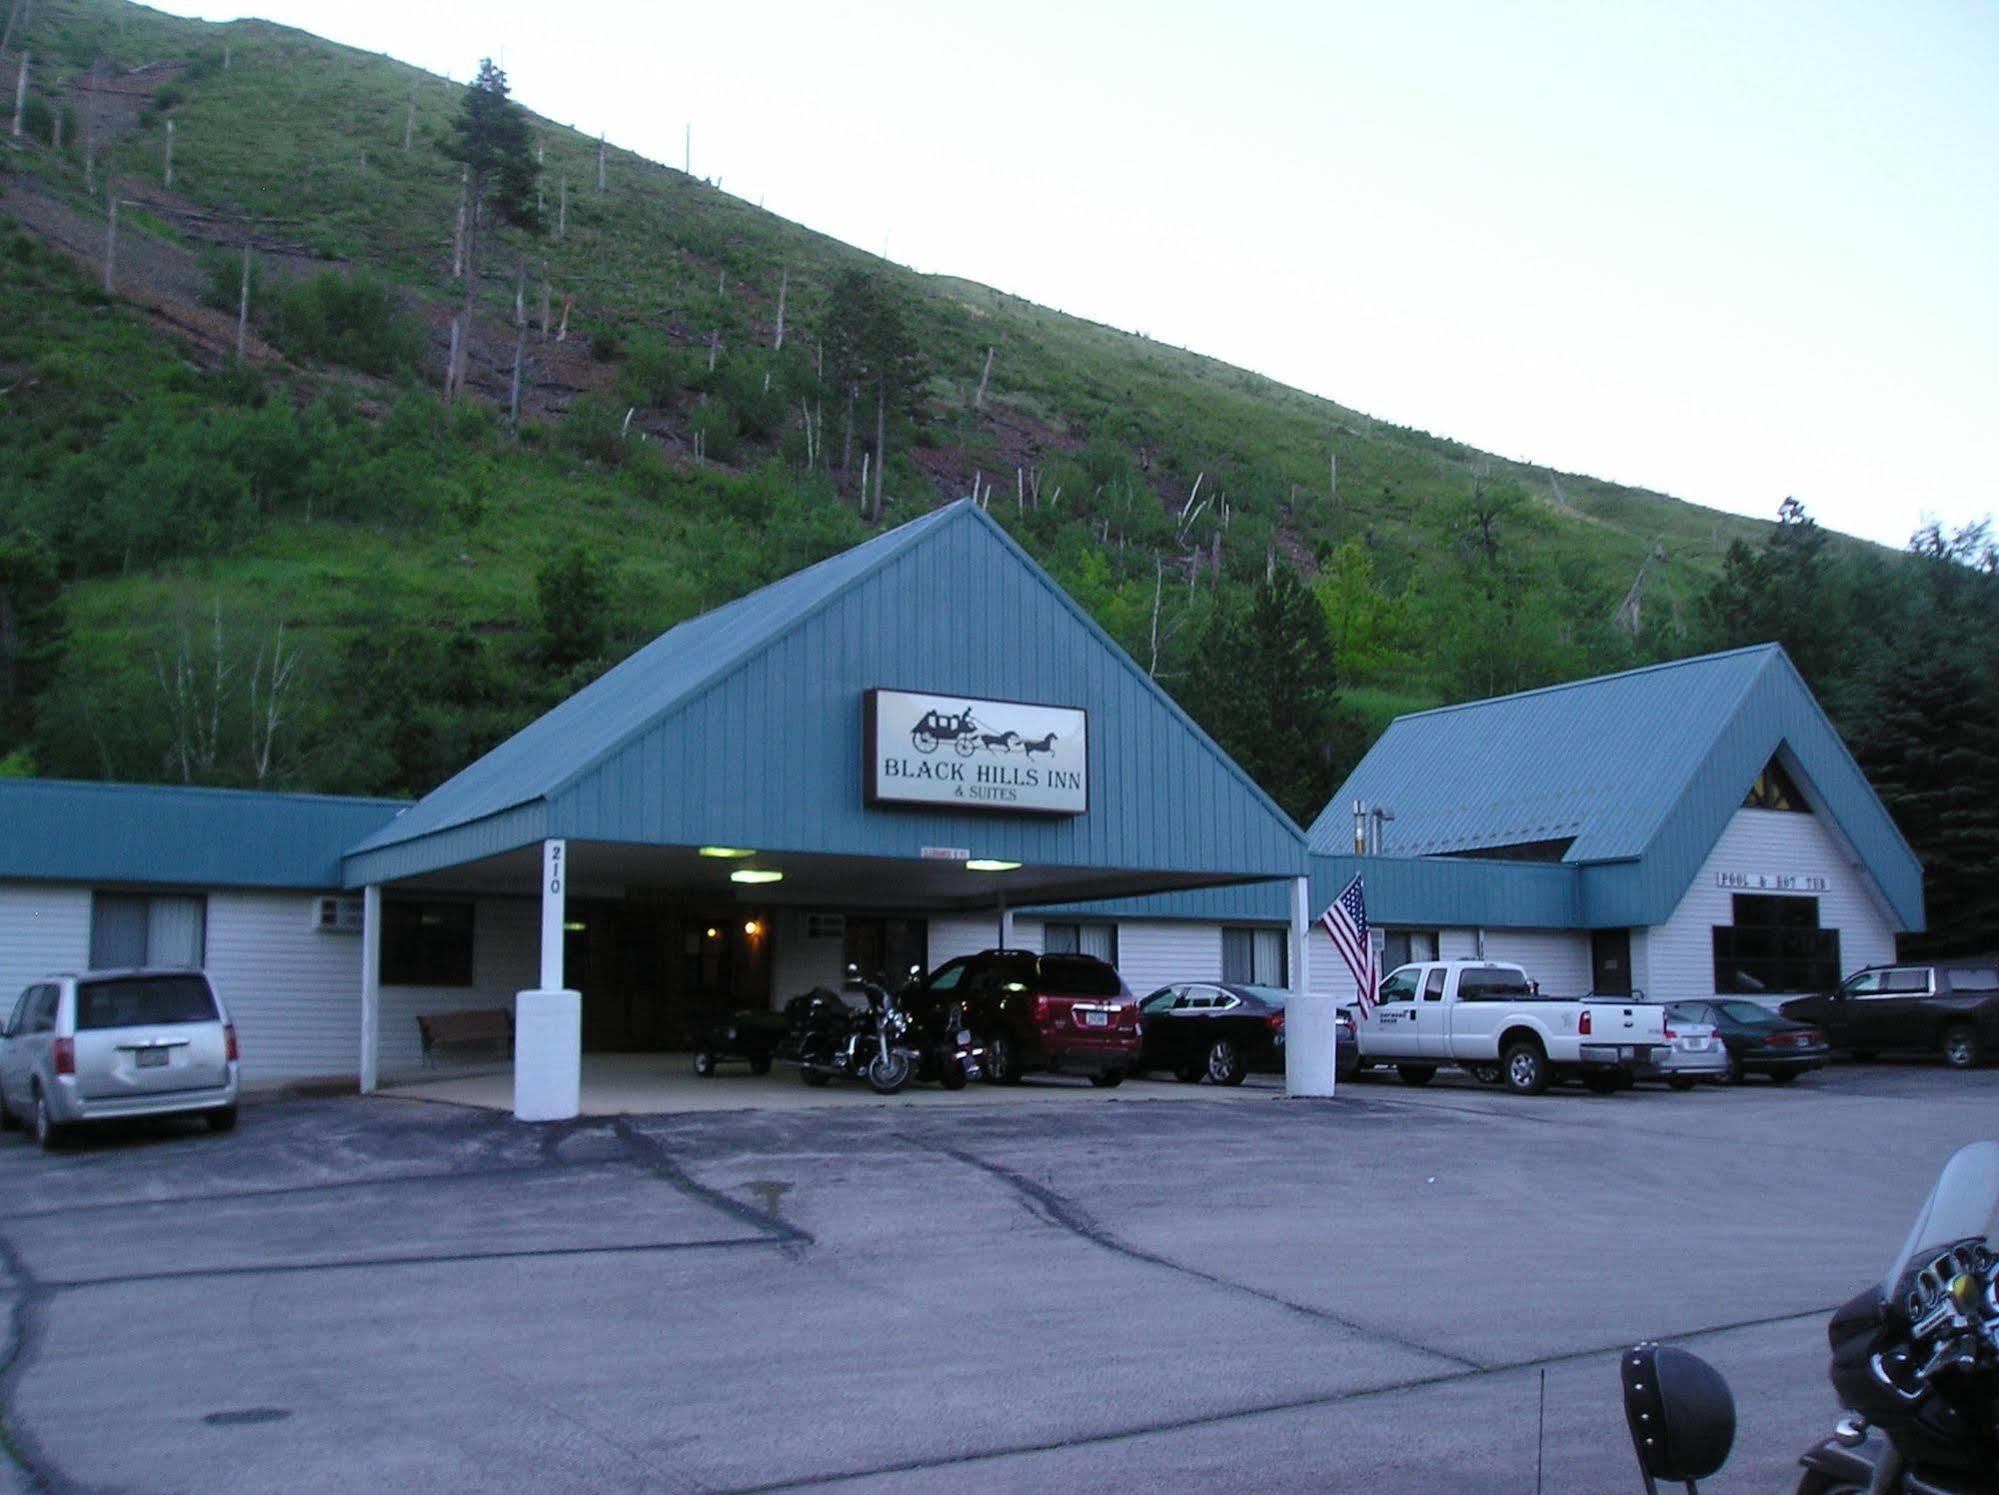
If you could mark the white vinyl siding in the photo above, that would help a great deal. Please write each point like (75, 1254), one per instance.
(963, 934)
(506, 958)
(44, 929)
(1557, 958)
(293, 991)
(1678, 956)
(799, 963)
(1158, 952)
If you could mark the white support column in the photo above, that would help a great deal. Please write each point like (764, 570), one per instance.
(371, 987)
(1311, 1039)
(554, 906)
(1005, 924)
(548, 1021)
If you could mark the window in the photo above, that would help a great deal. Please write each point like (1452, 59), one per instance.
(1774, 789)
(426, 944)
(1906, 981)
(1099, 940)
(1983, 978)
(1865, 984)
(148, 1001)
(1433, 986)
(128, 930)
(1775, 945)
(1496, 984)
(1162, 999)
(1401, 947)
(42, 1011)
(1254, 957)
(1071, 977)
(1399, 987)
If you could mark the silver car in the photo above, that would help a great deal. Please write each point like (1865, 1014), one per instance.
(1697, 1053)
(114, 1044)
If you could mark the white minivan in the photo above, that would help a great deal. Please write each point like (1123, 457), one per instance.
(108, 1045)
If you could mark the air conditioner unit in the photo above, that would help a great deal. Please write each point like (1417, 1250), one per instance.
(337, 915)
(825, 926)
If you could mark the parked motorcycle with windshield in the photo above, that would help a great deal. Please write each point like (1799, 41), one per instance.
(1915, 1359)
(866, 1036)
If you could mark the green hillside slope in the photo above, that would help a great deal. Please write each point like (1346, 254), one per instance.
(182, 527)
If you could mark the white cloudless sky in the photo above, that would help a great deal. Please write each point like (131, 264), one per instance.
(1730, 251)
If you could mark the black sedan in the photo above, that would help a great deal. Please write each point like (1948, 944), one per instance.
(1758, 1040)
(1221, 1031)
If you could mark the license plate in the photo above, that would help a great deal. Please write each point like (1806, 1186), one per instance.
(1096, 1019)
(152, 1058)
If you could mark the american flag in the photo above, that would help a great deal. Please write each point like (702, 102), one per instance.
(1345, 920)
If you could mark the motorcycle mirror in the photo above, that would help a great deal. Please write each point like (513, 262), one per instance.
(1681, 1414)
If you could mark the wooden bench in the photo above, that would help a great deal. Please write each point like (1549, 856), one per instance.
(480, 1025)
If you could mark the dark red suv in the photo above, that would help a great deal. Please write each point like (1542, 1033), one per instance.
(1068, 1014)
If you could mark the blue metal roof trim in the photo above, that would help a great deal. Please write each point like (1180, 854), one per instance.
(741, 759)
(594, 722)
(70, 831)
(683, 743)
(1643, 769)
(1420, 892)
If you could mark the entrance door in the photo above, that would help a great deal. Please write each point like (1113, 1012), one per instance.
(886, 948)
(1610, 962)
(656, 976)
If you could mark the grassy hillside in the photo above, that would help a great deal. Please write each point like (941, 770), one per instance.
(433, 577)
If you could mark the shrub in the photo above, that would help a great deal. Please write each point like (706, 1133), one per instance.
(353, 320)
(654, 371)
(224, 273)
(590, 429)
(605, 343)
(715, 422)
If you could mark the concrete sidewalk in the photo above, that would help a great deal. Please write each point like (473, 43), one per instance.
(665, 1084)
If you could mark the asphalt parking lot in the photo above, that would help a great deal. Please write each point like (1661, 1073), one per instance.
(1238, 1291)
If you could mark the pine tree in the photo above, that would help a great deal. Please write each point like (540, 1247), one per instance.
(1263, 686)
(491, 139)
(872, 351)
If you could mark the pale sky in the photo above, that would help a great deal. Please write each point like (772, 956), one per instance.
(1730, 251)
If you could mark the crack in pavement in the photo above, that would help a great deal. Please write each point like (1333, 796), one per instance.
(24, 1337)
(670, 1169)
(1243, 1414)
(1063, 1213)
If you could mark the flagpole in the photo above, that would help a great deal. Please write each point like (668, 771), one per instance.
(1311, 1039)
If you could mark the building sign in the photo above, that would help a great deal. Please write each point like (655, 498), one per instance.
(951, 752)
(1769, 882)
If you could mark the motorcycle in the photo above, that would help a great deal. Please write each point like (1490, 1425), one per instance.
(947, 1050)
(1915, 1360)
(832, 1037)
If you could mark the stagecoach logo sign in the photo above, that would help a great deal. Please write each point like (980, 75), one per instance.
(955, 753)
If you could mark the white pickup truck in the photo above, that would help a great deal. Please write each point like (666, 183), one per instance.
(1491, 1019)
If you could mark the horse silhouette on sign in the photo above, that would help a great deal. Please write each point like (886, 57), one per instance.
(1031, 746)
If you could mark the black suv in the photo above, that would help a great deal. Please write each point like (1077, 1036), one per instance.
(1948, 1007)
(1069, 1014)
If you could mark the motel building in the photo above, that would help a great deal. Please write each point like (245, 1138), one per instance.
(922, 748)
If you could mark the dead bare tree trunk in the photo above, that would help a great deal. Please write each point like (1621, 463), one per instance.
(243, 307)
(110, 235)
(783, 284)
(1333, 478)
(600, 163)
(1158, 591)
(409, 123)
(545, 293)
(562, 209)
(562, 332)
(267, 713)
(458, 225)
(714, 347)
(881, 449)
(979, 394)
(865, 456)
(167, 159)
(20, 93)
(451, 361)
(520, 346)
(847, 439)
(540, 160)
(90, 137)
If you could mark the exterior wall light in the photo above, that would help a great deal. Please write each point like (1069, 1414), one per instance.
(727, 853)
(755, 874)
(752, 928)
(714, 933)
(990, 864)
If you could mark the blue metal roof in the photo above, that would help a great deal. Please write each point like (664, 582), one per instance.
(743, 727)
(66, 831)
(1641, 771)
